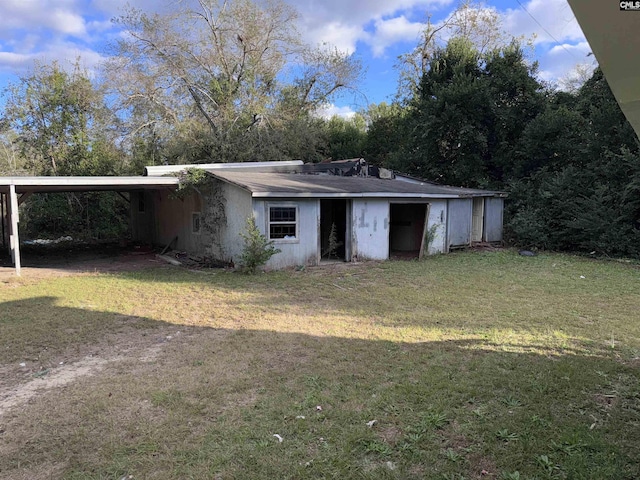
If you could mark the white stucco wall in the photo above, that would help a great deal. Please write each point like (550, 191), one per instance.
(223, 209)
(370, 229)
(304, 250)
(238, 207)
(173, 219)
(438, 218)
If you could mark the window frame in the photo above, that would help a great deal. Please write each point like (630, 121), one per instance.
(268, 208)
(194, 216)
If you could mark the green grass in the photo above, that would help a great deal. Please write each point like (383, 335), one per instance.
(474, 362)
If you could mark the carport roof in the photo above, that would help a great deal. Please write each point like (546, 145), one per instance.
(84, 184)
(327, 186)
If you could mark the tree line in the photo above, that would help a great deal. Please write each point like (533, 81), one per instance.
(233, 81)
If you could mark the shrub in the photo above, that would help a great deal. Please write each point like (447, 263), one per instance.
(257, 249)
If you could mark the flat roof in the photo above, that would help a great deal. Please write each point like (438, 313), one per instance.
(52, 184)
(326, 186)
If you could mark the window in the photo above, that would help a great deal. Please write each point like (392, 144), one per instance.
(283, 222)
(196, 223)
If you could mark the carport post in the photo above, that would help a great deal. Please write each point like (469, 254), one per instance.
(14, 238)
(2, 219)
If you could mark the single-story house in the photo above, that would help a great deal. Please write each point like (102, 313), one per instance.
(347, 210)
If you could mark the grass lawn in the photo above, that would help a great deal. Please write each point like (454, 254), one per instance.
(464, 366)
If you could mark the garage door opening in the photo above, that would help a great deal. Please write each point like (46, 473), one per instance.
(407, 229)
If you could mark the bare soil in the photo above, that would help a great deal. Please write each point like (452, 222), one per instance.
(19, 384)
(72, 259)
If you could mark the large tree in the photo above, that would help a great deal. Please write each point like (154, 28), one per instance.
(479, 24)
(467, 114)
(213, 75)
(578, 186)
(61, 123)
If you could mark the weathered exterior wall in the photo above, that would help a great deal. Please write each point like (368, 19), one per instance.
(239, 207)
(173, 219)
(438, 222)
(142, 221)
(370, 224)
(493, 216)
(459, 222)
(304, 250)
(223, 210)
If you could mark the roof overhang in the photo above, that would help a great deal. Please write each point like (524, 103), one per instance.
(368, 195)
(614, 37)
(84, 184)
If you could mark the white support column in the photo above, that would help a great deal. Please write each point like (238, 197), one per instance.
(14, 238)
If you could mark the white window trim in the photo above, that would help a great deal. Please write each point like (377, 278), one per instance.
(269, 206)
(193, 230)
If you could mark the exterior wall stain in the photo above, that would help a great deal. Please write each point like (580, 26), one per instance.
(362, 223)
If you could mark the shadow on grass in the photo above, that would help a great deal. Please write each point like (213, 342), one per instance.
(202, 402)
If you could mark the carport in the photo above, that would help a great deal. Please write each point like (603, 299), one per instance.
(15, 190)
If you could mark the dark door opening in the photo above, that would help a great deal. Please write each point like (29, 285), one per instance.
(406, 235)
(333, 230)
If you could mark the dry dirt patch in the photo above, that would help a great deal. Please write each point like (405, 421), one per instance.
(19, 384)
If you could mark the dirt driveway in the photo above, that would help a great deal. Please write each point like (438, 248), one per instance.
(59, 260)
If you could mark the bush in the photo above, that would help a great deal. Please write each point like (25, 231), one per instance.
(257, 249)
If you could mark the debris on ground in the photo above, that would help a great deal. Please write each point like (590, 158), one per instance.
(180, 258)
(47, 241)
(280, 439)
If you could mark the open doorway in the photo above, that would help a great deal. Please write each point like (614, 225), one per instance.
(334, 234)
(407, 232)
(477, 219)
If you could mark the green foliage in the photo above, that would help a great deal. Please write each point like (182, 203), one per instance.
(57, 123)
(257, 249)
(63, 123)
(345, 137)
(430, 236)
(385, 133)
(576, 178)
(333, 243)
(467, 115)
(189, 180)
(569, 161)
(91, 215)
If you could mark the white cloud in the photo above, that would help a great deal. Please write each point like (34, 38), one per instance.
(336, 34)
(554, 15)
(344, 23)
(328, 111)
(63, 53)
(561, 60)
(10, 61)
(38, 14)
(394, 30)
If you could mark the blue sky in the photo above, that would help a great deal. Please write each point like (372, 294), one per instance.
(375, 31)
